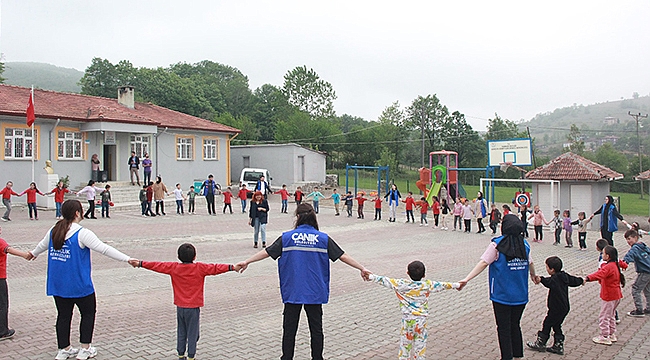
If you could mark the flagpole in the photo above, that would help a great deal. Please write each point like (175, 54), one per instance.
(34, 138)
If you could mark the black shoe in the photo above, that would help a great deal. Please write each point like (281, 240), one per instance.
(8, 335)
(164, 213)
(540, 343)
(557, 348)
(646, 311)
(86, 216)
(636, 313)
(263, 244)
(93, 217)
(255, 245)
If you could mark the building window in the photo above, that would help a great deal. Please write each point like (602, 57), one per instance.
(20, 143)
(184, 148)
(140, 144)
(210, 149)
(70, 145)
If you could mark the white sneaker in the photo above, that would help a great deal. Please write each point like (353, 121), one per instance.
(89, 353)
(613, 338)
(602, 340)
(64, 354)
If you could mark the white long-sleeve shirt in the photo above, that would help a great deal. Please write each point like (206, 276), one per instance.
(90, 192)
(87, 239)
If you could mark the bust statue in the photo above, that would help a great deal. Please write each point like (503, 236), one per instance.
(48, 167)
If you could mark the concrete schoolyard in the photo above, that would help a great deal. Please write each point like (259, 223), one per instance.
(242, 317)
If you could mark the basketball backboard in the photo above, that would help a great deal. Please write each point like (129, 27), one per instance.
(515, 151)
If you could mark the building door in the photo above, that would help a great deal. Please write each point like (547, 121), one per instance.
(546, 202)
(301, 167)
(110, 162)
(247, 161)
(580, 201)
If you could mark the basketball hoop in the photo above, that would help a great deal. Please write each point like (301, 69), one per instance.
(504, 166)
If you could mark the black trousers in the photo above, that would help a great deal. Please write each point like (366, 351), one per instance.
(210, 202)
(91, 209)
(87, 307)
(160, 206)
(554, 320)
(539, 234)
(481, 227)
(582, 239)
(409, 215)
(377, 214)
(606, 235)
(508, 318)
(468, 225)
(436, 219)
(227, 206)
(4, 307)
(494, 226)
(290, 328)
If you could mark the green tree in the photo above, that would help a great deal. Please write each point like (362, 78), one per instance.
(459, 136)
(269, 105)
(100, 79)
(501, 129)
(576, 142)
(2, 69)
(392, 134)
(300, 128)
(249, 132)
(426, 114)
(305, 90)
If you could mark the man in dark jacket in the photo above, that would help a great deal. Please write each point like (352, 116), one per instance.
(134, 167)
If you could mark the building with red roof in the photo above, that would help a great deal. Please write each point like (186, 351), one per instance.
(70, 128)
(583, 185)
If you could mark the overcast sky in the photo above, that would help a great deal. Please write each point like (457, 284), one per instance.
(515, 58)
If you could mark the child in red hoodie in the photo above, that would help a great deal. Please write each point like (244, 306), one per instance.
(424, 208)
(5, 331)
(243, 196)
(285, 198)
(188, 281)
(59, 193)
(377, 202)
(31, 199)
(6, 199)
(611, 279)
(410, 202)
(436, 212)
(227, 200)
(360, 200)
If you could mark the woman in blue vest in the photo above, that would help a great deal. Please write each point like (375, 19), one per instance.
(508, 257)
(608, 219)
(68, 248)
(393, 197)
(303, 256)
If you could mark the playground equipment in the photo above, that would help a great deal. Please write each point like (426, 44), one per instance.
(356, 176)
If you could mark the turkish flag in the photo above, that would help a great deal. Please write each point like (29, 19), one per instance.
(30, 110)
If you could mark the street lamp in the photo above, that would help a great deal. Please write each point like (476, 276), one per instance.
(638, 143)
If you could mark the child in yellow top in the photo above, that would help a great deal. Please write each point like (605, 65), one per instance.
(413, 295)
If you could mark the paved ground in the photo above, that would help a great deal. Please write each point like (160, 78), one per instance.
(242, 315)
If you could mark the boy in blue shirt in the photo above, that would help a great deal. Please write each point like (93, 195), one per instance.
(639, 254)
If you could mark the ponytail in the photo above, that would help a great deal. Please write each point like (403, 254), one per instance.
(69, 211)
(613, 256)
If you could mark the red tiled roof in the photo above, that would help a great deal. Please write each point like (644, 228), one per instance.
(52, 105)
(570, 166)
(643, 176)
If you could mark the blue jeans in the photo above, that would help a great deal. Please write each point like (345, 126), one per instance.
(32, 207)
(316, 206)
(58, 209)
(259, 228)
(105, 206)
(243, 206)
(144, 205)
(179, 206)
(284, 205)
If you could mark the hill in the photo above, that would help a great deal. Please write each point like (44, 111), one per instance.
(42, 76)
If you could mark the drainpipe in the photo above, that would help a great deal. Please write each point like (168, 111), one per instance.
(50, 139)
(156, 136)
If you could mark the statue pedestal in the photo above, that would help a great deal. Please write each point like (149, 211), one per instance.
(46, 183)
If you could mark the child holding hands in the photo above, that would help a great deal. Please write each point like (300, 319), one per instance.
(5, 331)
(188, 280)
(413, 295)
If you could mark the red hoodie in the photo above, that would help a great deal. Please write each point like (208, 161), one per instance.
(59, 193)
(610, 281)
(227, 195)
(436, 208)
(377, 202)
(243, 194)
(409, 202)
(31, 195)
(424, 207)
(7, 192)
(284, 193)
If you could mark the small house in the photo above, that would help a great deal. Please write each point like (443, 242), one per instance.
(583, 185)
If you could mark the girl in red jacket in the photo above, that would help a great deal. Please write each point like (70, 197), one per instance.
(31, 199)
(611, 279)
(410, 202)
(424, 208)
(59, 193)
(436, 212)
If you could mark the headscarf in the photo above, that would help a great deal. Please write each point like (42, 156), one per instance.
(512, 244)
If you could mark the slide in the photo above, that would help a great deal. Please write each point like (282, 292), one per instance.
(435, 189)
(435, 186)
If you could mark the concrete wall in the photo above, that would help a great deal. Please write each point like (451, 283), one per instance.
(282, 161)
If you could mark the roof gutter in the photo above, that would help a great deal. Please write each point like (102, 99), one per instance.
(156, 136)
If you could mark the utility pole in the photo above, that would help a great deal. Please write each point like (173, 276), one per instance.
(638, 141)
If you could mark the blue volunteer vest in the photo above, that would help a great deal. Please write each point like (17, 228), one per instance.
(68, 270)
(509, 279)
(612, 221)
(304, 266)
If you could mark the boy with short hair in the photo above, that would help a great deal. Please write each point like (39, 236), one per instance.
(558, 305)
(378, 203)
(6, 199)
(179, 197)
(639, 254)
(227, 200)
(348, 202)
(143, 200)
(557, 226)
(188, 281)
(191, 200)
(413, 295)
(336, 198)
(106, 200)
(410, 203)
(5, 331)
(243, 196)
(284, 195)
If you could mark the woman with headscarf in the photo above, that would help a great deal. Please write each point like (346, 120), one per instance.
(608, 223)
(393, 196)
(508, 257)
(94, 163)
(481, 211)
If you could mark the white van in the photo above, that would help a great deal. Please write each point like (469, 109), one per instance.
(250, 176)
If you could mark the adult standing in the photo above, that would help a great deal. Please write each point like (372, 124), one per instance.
(209, 188)
(146, 168)
(393, 196)
(94, 164)
(91, 191)
(159, 192)
(304, 271)
(263, 187)
(69, 279)
(134, 167)
(609, 217)
(480, 210)
(508, 257)
(258, 216)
